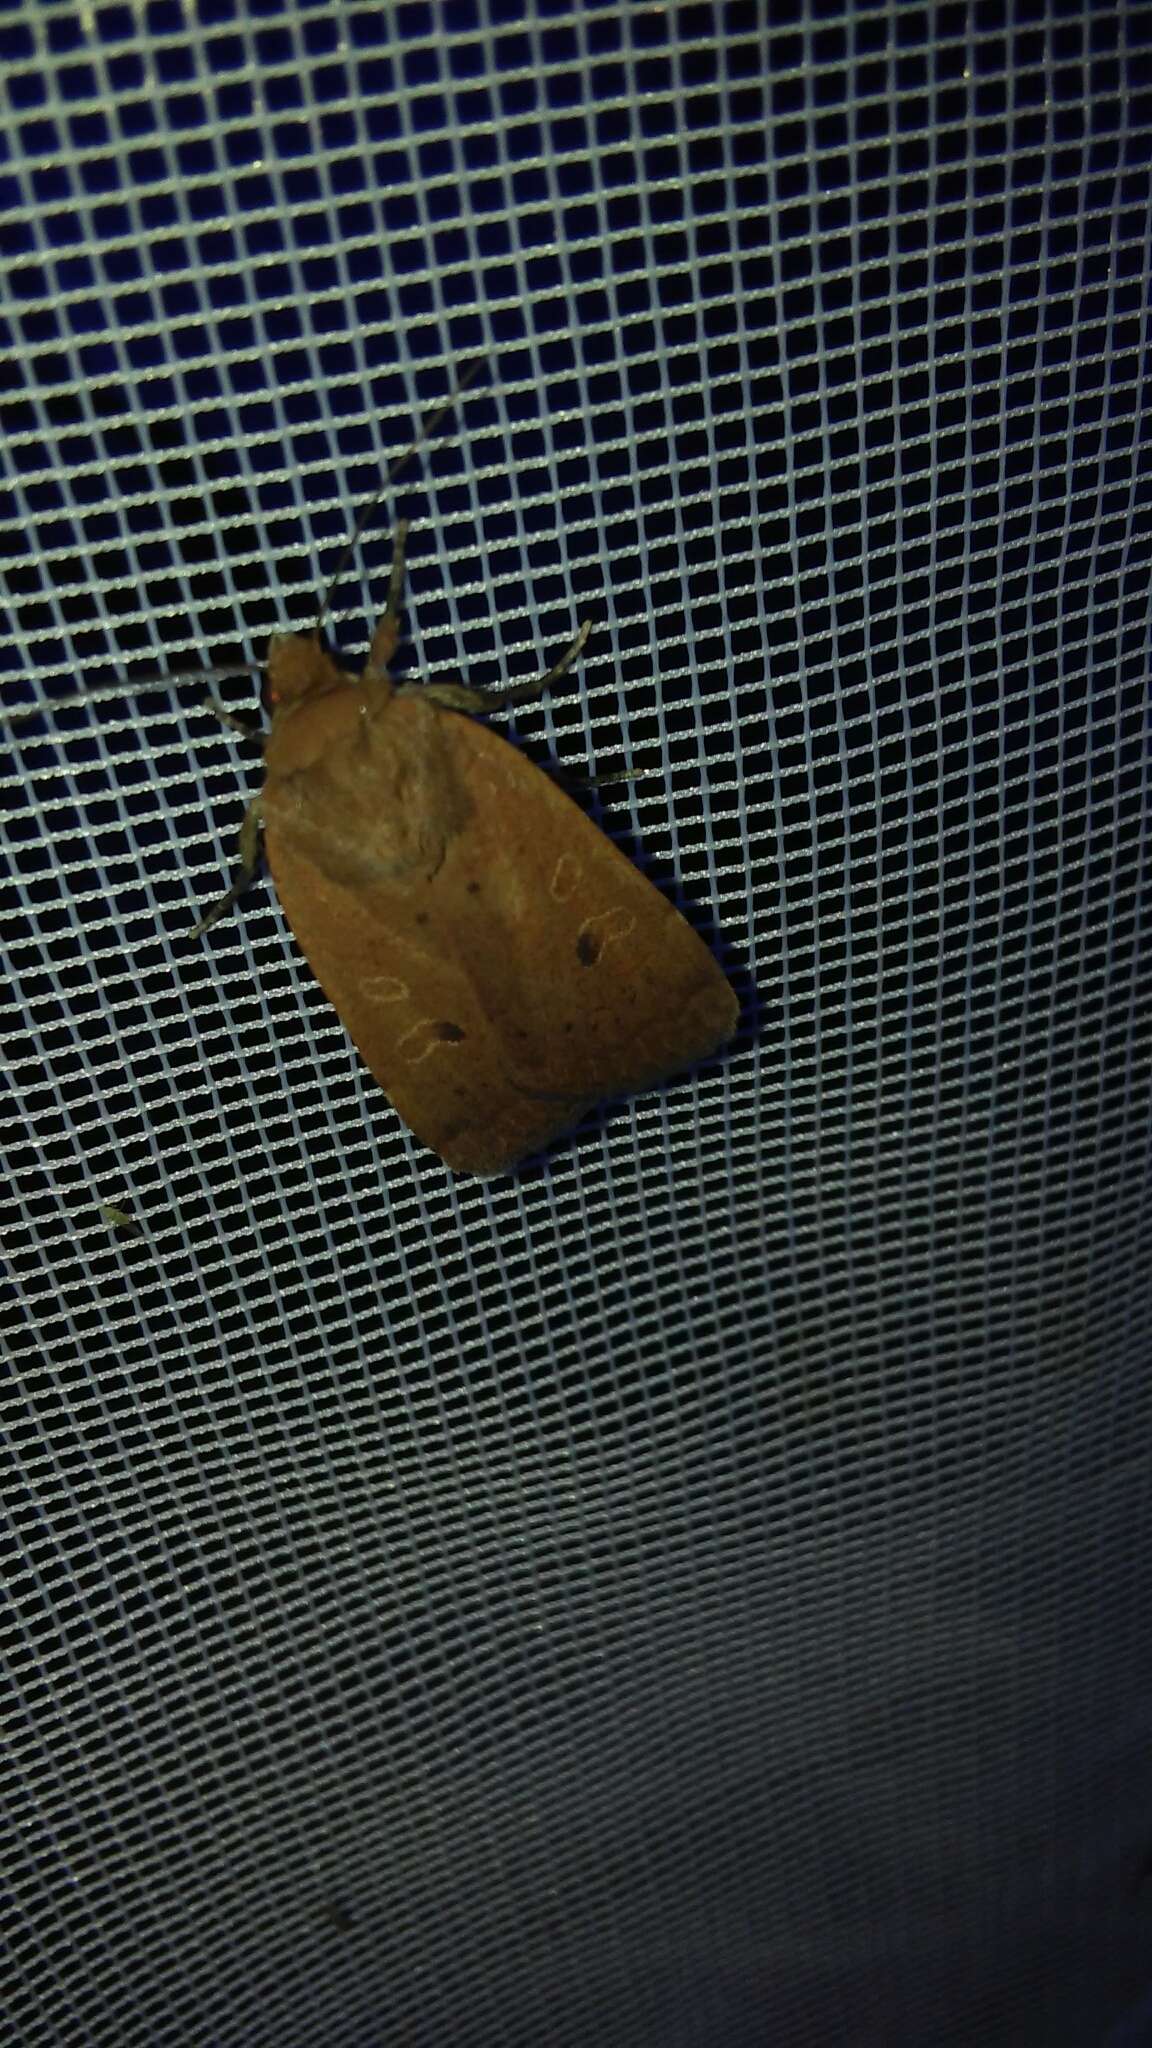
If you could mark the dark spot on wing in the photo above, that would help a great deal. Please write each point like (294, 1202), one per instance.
(588, 949)
(473, 888)
(449, 1034)
(421, 917)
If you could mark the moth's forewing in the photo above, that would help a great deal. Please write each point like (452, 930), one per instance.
(497, 962)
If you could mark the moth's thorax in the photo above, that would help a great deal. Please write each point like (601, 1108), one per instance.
(361, 783)
(314, 700)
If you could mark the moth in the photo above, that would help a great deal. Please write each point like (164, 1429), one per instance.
(497, 962)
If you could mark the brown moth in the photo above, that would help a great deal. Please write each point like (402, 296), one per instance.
(497, 962)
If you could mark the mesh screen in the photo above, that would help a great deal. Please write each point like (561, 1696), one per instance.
(694, 1590)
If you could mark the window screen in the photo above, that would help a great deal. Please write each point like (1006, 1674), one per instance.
(693, 1590)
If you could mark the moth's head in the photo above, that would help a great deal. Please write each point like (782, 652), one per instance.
(298, 666)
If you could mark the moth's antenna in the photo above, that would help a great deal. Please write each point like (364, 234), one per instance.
(222, 671)
(391, 473)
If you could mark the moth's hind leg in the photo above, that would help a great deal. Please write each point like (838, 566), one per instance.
(459, 697)
(249, 868)
(387, 632)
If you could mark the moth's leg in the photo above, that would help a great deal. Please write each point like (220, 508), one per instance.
(610, 772)
(249, 868)
(387, 633)
(227, 718)
(458, 696)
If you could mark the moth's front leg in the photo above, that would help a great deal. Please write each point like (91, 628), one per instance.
(249, 851)
(459, 697)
